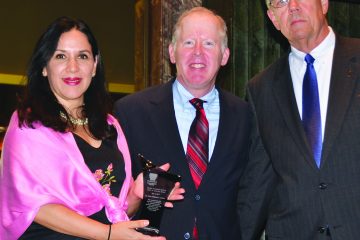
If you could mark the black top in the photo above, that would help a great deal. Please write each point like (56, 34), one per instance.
(107, 165)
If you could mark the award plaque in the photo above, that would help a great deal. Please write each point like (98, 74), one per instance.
(157, 187)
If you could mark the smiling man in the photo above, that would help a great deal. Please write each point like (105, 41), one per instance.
(301, 180)
(201, 130)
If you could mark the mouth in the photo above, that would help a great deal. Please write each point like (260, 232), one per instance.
(197, 65)
(72, 80)
(296, 20)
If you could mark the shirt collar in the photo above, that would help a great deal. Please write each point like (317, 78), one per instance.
(182, 96)
(322, 49)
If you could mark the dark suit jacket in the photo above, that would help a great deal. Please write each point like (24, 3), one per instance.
(283, 188)
(148, 120)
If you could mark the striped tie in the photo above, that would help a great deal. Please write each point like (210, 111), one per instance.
(198, 142)
(198, 148)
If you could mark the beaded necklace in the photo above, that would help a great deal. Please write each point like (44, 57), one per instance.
(75, 121)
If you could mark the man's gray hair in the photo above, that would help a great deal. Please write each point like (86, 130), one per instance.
(224, 42)
(267, 3)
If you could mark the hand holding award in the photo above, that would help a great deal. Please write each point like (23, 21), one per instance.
(157, 187)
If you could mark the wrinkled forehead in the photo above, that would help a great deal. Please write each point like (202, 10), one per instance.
(200, 23)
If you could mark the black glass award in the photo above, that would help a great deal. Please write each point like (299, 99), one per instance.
(157, 187)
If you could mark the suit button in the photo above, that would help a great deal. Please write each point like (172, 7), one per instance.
(321, 229)
(187, 235)
(322, 186)
(197, 197)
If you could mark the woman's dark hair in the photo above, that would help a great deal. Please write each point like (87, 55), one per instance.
(39, 102)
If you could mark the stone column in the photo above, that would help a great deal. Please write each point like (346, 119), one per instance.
(154, 21)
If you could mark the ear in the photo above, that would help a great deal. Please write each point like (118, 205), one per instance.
(172, 53)
(44, 72)
(95, 65)
(225, 57)
(325, 6)
(273, 18)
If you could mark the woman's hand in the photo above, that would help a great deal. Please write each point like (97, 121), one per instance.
(137, 189)
(64, 220)
(126, 231)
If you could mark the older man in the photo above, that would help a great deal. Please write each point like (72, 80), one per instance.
(302, 178)
(201, 130)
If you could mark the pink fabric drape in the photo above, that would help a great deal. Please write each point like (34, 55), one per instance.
(41, 166)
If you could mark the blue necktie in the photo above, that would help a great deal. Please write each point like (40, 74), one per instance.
(311, 117)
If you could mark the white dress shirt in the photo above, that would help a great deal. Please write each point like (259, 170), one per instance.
(323, 55)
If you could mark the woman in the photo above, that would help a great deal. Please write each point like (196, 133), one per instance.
(66, 170)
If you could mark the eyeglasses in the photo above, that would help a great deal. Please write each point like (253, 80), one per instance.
(279, 3)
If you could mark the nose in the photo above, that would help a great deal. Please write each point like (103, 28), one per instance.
(73, 65)
(198, 49)
(293, 6)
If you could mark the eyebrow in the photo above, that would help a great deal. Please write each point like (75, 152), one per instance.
(81, 51)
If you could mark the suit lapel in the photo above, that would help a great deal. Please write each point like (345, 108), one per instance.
(163, 118)
(222, 139)
(283, 91)
(161, 109)
(342, 86)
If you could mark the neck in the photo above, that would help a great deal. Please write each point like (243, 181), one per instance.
(200, 92)
(307, 45)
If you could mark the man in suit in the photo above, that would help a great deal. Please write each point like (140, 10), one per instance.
(302, 178)
(157, 121)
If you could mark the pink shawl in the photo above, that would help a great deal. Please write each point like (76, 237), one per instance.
(41, 166)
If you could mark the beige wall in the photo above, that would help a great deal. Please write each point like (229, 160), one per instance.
(112, 21)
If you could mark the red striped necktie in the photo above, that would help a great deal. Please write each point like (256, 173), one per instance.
(197, 153)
